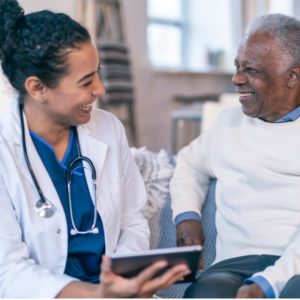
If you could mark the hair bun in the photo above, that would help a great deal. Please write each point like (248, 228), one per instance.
(10, 14)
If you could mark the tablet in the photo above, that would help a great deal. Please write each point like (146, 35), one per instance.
(130, 265)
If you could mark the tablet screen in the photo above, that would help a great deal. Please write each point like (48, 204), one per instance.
(130, 265)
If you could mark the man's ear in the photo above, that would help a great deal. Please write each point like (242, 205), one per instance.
(36, 89)
(294, 76)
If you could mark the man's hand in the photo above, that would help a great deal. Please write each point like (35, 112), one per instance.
(189, 233)
(250, 291)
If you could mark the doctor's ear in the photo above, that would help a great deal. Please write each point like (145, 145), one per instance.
(36, 89)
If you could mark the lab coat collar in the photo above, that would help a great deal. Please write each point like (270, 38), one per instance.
(92, 148)
(10, 123)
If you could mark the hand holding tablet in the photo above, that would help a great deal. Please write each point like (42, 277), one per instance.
(130, 265)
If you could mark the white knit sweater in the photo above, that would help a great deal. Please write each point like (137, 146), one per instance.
(257, 165)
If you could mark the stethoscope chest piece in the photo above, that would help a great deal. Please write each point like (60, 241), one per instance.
(44, 208)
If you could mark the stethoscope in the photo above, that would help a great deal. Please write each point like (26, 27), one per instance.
(44, 208)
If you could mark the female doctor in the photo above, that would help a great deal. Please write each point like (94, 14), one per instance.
(69, 189)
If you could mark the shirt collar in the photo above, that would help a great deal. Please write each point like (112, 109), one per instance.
(290, 116)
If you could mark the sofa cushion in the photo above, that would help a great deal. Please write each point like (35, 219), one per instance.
(157, 170)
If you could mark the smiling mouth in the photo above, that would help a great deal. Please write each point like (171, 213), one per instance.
(86, 107)
(245, 95)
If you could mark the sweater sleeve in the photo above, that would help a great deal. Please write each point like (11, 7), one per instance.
(191, 178)
(287, 266)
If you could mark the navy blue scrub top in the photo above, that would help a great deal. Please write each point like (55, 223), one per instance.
(84, 251)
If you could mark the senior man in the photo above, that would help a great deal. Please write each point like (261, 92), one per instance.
(254, 153)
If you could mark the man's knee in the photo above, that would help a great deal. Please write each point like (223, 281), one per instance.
(292, 288)
(215, 285)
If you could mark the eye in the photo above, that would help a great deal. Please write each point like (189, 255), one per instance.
(87, 83)
(251, 70)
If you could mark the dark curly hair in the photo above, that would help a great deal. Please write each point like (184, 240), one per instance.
(36, 44)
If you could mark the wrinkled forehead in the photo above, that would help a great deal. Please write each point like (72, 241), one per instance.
(261, 42)
(263, 46)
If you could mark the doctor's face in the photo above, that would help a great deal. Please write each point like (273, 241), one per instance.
(70, 103)
(261, 77)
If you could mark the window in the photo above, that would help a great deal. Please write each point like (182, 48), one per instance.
(279, 6)
(193, 34)
(165, 33)
(201, 35)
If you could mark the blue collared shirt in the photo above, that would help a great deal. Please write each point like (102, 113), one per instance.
(291, 116)
(263, 283)
(191, 215)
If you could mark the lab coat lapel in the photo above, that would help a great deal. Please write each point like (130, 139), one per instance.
(96, 151)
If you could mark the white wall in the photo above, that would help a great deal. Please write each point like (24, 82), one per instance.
(65, 6)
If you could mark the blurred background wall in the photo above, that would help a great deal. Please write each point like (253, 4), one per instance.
(156, 88)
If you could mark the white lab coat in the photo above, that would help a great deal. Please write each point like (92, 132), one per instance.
(33, 250)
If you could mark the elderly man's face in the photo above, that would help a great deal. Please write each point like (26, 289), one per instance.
(261, 78)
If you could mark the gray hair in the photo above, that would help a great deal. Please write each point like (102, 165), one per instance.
(284, 28)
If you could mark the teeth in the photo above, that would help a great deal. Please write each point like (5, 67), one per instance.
(86, 106)
(246, 94)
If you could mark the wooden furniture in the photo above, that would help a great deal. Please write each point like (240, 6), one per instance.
(191, 111)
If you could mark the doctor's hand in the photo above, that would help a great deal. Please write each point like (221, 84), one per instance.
(250, 291)
(189, 233)
(141, 286)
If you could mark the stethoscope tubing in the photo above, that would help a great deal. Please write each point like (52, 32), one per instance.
(38, 188)
(44, 208)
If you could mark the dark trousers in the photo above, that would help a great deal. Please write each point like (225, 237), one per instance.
(223, 279)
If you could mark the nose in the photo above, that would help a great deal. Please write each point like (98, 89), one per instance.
(239, 78)
(99, 89)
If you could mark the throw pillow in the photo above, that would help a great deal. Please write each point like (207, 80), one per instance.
(156, 170)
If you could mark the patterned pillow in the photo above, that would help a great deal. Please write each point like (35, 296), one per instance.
(157, 170)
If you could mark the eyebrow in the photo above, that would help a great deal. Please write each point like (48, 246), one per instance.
(88, 75)
(245, 63)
